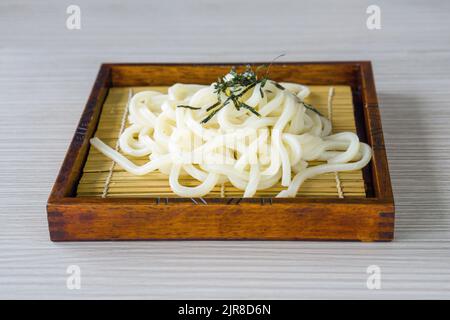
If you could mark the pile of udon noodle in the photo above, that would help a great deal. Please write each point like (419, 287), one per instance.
(273, 139)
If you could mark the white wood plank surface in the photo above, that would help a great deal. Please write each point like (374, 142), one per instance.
(46, 72)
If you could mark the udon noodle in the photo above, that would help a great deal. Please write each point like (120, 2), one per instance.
(252, 151)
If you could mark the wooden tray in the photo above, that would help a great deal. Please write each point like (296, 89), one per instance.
(80, 209)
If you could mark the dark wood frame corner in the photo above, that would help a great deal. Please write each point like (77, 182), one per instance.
(72, 218)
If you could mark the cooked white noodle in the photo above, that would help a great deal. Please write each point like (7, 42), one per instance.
(252, 153)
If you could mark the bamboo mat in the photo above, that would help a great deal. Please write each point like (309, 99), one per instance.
(100, 171)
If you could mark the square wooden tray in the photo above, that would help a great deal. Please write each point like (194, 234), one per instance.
(73, 218)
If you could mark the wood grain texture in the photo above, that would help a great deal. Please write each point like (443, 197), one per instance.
(46, 74)
(244, 221)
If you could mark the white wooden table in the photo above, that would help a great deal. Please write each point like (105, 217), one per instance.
(46, 72)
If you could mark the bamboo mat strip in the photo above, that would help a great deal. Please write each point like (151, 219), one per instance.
(99, 174)
(330, 117)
